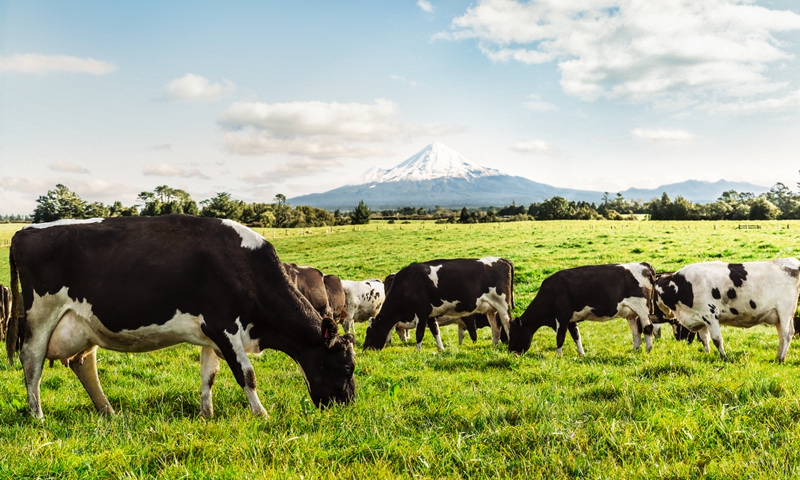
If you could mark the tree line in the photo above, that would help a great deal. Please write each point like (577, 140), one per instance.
(61, 203)
(780, 202)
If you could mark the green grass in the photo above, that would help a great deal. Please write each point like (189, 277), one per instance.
(472, 411)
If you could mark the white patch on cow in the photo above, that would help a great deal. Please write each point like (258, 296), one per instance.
(75, 327)
(434, 275)
(250, 239)
(64, 222)
(585, 313)
(636, 271)
(446, 308)
(488, 260)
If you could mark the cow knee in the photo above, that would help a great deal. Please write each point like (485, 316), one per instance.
(648, 329)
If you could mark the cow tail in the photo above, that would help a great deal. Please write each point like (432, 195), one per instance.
(12, 327)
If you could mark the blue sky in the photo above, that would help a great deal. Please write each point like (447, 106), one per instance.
(297, 97)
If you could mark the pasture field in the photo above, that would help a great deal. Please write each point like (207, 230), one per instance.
(473, 411)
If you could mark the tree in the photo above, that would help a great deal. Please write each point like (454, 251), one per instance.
(96, 210)
(556, 208)
(361, 214)
(223, 206)
(762, 209)
(282, 211)
(165, 199)
(464, 216)
(57, 204)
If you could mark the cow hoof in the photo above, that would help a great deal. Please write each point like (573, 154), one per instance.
(207, 413)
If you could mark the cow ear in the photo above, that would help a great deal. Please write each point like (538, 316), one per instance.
(329, 330)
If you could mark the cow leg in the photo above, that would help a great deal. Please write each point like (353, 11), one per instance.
(349, 325)
(633, 323)
(420, 334)
(576, 336)
(32, 357)
(472, 329)
(704, 336)
(716, 337)
(209, 366)
(785, 334)
(460, 335)
(433, 325)
(492, 317)
(232, 350)
(561, 334)
(85, 368)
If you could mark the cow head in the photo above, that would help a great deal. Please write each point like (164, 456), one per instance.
(519, 336)
(328, 368)
(375, 338)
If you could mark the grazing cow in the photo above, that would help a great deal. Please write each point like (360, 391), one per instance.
(136, 284)
(311, 283)
(421, 292)
(336, 298)
(5, 310)
(363, 301)
(593, 292)
(678, 331)
(703, 296)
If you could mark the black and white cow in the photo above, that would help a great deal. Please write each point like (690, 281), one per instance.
(136, 284)
(593, 292)
(363, 301)
(5, 309)
(421, 292)
(703, 296)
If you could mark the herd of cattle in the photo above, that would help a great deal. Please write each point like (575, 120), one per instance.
(140, 284)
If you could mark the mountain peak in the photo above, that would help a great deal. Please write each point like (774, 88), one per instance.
(437, 160)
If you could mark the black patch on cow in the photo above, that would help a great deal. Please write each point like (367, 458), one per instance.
(752, 304)
(211, 379)
(737, 273)
(680, 292)
(706, 320)
(734, 311)
(731, 293)
(793, 272)
(712, 308)
(648, 330)
(250, 379)
(715, 293)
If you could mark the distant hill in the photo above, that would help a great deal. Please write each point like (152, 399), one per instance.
(438, 175)
(694, 190)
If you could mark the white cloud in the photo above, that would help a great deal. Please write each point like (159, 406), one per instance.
(637, 50)
(538, 106)
(67, 167)
(399, 78)
(261, 142)
(536, 147)
(790, 102)
(37, 63)
(425, 5)
(92, 188)
(318, 129)
(662, 136)
(164, 170)
(300, 167)
(191, 88)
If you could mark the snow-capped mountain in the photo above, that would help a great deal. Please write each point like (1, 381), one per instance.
(437, 160)
(438, 175)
